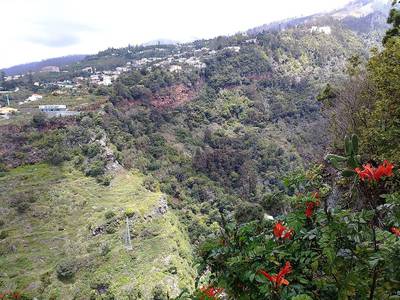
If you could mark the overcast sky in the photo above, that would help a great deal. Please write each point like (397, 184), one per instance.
(37, 29)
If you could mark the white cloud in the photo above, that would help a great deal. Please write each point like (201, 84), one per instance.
(35, 30)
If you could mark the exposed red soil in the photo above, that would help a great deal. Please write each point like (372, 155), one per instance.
(173, 96)
(170, 97)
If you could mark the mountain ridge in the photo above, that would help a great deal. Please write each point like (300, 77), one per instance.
(38, 65)
(358, 9)
(376, 12)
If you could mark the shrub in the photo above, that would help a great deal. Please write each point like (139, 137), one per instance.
(66, 270)
(96, 168)
(39, 120)
(104, 180)
(111, 227)
(130, 212)
(246, 212)
(150, 184)
(109, 215)
(78, 160)
(57, 155)
(92, 150)
(3, 235)
(20, 155)
(159, 293)
(105, 249)
(22, 206)
(3, 167)
(87, 122)
(102, 91)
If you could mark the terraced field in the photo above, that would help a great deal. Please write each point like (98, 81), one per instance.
(55, 217)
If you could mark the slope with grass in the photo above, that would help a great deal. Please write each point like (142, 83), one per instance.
(63, 236)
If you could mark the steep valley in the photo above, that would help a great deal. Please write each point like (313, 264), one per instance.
(167, 145)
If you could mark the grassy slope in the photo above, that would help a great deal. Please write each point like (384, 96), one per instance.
(56, 227)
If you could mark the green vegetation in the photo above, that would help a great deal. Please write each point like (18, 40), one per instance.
(367, 104)
(345, 251)
(339, 238)
(50, 249)
(198, 159)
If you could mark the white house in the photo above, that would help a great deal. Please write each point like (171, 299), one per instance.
(34, 97)
(52, 108)
(88, 70)
(322, 29)
(233, 48)
(175, 68)
(107, 80)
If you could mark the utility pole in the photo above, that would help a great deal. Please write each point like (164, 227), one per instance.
(6, 95)
(128, 242)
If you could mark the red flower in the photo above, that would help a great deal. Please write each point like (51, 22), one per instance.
(13, 295)
(309, 209)
(385, 169)
(310, 205)
(16, 295)
(211, 292)
(282, 232)
(395, 231)
(375, 174)
(279, 279)
(288, 234)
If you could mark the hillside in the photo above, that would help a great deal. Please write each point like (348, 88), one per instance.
(37, 66)
(58, 217)
(361, 16)
(192, 142)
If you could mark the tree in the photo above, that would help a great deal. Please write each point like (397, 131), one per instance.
(39, 120)
(2, 76)
(380, 133)
(394, 20)
(327, 94)
(248, 180)
(30, 79)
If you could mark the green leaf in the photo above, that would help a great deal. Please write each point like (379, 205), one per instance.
(373, 262)
(354, 140)
(335, 157)
(352, 162)
(314, 265)
(348, 149)
(348, 173)
(302, 297)
(251, 277)
(303, 280)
